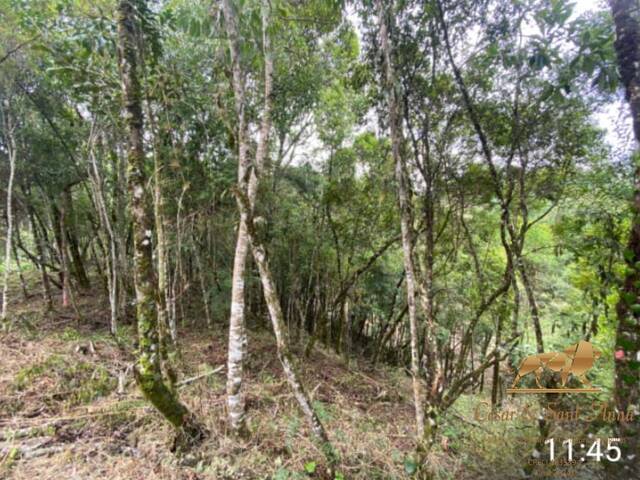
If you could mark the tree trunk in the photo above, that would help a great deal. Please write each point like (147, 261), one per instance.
(237, 334)
(112, 258)
(405, 213)
(246, 196)
(533, 304)
(203, 285)
(626, 16)
(9, 127)
(277, 319)
(72, 240)
(67, 286)
(23, 284)
(41, 252)
(167, 336)
(496, 391)
(148, 371)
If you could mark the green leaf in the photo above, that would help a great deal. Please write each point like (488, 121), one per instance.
(629, 298)
(282, 474)
(310, 467)
(410, 466)
(629, 379)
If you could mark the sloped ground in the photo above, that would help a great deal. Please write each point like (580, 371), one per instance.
(69, 409)
(62, 414)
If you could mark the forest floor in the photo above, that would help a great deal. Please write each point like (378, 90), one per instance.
(64, 415)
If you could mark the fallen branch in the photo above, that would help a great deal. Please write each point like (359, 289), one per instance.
(40, 452)
(9, 435)
(469, 422)
(187, 381)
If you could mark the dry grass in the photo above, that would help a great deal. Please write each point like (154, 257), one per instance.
(78, 426)
(59, 406)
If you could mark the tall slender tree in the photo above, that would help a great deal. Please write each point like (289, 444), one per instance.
(626, 17)
(9, 130)
(406, 223)
(237, 336)
(148, 370)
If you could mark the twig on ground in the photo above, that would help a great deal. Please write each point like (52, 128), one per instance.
(187, 381)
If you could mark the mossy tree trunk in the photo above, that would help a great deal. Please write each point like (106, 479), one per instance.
(148, 370)
(626, 16)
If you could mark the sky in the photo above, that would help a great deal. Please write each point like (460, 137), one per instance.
(614, 117)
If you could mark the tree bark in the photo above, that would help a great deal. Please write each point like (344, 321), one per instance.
(41, 252)
(148, 371)
(237, 341)
(247, 180)
(395, 128)
(67, 286)
(626, 17)
(279, 327)
(23, 283)
(71, 240)
(167, 336)
(246, 198)
(9, 127)
(112, 259)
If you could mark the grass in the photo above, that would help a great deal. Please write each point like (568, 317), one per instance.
(69, 397)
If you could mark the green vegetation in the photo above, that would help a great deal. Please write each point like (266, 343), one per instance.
(309, 239)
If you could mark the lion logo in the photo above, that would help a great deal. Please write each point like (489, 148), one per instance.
(575, 360)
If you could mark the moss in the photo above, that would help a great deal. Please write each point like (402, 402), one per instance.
(70, 335)
(28, 374)
(77, 382)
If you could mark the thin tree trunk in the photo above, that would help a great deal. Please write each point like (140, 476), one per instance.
(279, 327)
(148, 371)
(72, 240)
(41, 252)
(533, 304)
(112, 260)
(178, 276)
(23, 284)
(168, 336)
(9, 126)
(405, 214)
(203, 286)
(67, 286)
(626, 17)
(246, 194)
(495, 382)
(345, 334)
(237, 335)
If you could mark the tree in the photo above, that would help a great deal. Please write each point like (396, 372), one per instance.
(626, 17)
(148, 368)
(406, 222)
(9, 133)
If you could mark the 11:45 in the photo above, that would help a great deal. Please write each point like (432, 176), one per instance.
(612, 453)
